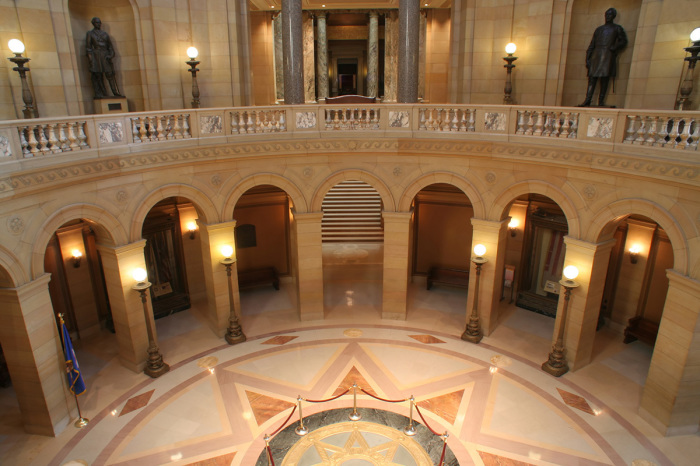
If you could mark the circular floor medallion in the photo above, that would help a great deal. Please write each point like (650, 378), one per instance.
(356, 444)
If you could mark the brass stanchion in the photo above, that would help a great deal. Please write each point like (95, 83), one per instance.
(301, 428)
(354, 416)
(410, 429)
(234, 332)
(270, 461)
(473, 331)
(444, 448)
(556, 363)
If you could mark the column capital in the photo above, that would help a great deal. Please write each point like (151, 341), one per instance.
(488, 225)
(396, 216)
(29, 287)
(212, 227)
(308, 217)
(136, 245)
(683, 282)
(588, 246)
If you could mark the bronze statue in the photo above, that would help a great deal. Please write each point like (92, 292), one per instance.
(601, 56)
(100, 54)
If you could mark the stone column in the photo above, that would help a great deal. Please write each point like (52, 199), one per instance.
(493, 235)
(309, 267)
(591, 259)
(32, 349)
(422, 52)
(391, 38)
(373, 55)
(309, 62)
(293, 52)
(409, 23)
(213, 237)
(278, 56)
(322, 56)
(671, 399)
(396, 267)
(118, 264)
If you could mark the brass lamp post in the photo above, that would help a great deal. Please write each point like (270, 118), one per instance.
(192, 53)
(556, 364)
(155, 367)
(17, 47)
(510, 50)
(473, 331)
(234, 332)
(687, 85)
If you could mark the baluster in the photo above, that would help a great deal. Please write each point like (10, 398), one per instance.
(234, 122)
(186, 126)
(463, 120)
(265, 122)
(169, 126)
(651, 135)
(685, 135)
(336, 119)
(556, 125)
(539, 124)
(142, 129)
(573, 133)
(275, 121)
(455, 121)
(72, 137)
(530, 125)
(177, 129)
(421, 119)
(134, 130)
(566, 127)
(472, 120)
(43, 140)
(696, 134)
(329, 125)
(375, 118)
(431, 122)
(63, 139)
(547, 127)
(368, 120)
(32, 141)
(250, 125)
(152, 133)
(23, 141)
(521, 123)
(641, 131)
(159, 128)
(442, 120)
(351, 121)
(283, 120)
(673, 135)
(631, 119)
(82, 137)
(258, 124)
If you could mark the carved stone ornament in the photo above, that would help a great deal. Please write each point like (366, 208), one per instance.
(122, 196)
(308, 172)
(216, 180)
(490, 177)
(589, 191)
(15, 225)
(397, 171)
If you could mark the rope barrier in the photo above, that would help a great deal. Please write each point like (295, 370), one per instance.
(425, 422)
(285, 422)
(328, 399)
(382, 399)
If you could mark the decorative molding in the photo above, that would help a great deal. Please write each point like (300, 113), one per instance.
(122, 196)
(590, 191)
(15, 225)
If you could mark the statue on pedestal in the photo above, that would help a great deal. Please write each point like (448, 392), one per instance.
(601, 56)
(100, 54)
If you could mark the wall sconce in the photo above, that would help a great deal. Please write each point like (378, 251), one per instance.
(192, 228)
(687, 85)
(513, 226)
(510, 50)
(192, 53)
(634, 253)
(556, 363)
(77, 256)
(17, 47)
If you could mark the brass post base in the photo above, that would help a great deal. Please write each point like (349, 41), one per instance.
(234, 334)
(473, 333)
(155, 367)
(81, 422)
(556, 364)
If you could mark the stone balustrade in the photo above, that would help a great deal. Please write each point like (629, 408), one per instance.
(616, 130)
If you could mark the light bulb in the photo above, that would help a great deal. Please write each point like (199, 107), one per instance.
(191, 226)
(227, 251)
(16, 46)
(514, 223)
(479, 250)
(635, 249)
(77, 254)
(510, 48)
(570, 272)
(192, 52)
(140, 275)
(694, 36)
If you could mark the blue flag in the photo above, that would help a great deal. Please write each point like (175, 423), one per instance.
(75, 378)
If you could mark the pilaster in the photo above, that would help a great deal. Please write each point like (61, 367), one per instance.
(310, 265)
(396, 271)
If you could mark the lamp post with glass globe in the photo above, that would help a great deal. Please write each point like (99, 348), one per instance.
(17, 47)
(556, 364)
(473, 331)
(192, 54)
(510, 50)
(234, 332)
(687, 85)
(155, 367)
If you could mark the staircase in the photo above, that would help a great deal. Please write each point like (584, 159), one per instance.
(352, 213)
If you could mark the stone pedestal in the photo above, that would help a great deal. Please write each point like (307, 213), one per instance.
(396, 272)
(309, 264)
(110, 105)
(215, 278)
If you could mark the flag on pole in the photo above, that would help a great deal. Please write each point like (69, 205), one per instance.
(75, 378)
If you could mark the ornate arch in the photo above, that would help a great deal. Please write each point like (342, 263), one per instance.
(353, 174)
(503, 200)
(261, 179)
(11, 270)
(603, 225)
(107, 228)
(442, 177)
(205, 207)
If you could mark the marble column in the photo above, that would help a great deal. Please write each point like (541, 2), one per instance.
(391, 37)
(278, 56)
(671, 398)
(373, 55)
(309, 59)
(409, 23)
(396, 264)
(32, 349)
(591, 259)
(118, 264)
(309, 264)
(213, 237)
(293, 52)
(322, 56)
(494, 236)
(422, 52)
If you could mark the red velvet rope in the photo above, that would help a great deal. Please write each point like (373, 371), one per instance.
(285, 421)
(442, 457)
(425, 422)
(329, 399)
(382, 399)
(272, 461)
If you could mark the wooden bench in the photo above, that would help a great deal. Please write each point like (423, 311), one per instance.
(351, 99)
(642, 330)
(445, 276)
(258, 277)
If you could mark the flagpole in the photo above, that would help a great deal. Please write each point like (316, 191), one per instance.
(71, 364)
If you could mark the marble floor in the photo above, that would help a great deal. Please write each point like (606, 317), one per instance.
(218, 402)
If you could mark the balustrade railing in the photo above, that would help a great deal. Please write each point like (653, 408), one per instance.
(447, 119)
(247, 121)
(52, 138)
(548, 123)
(158, 128)
(339, 119)
(676, 132)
